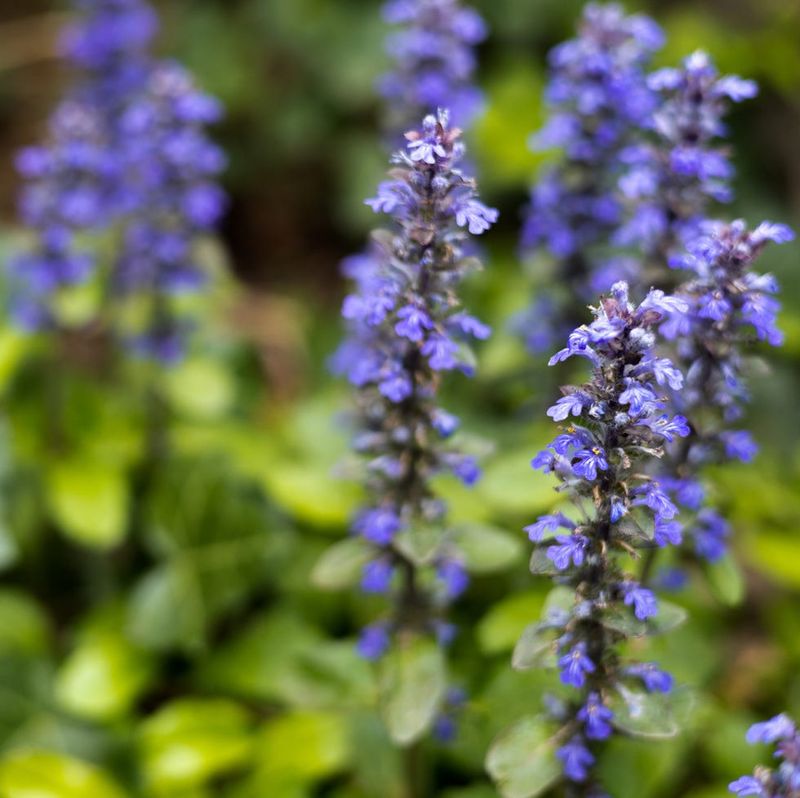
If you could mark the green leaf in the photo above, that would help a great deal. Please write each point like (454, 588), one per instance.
(501, 627)
(191, 741)
(13, 348)
(541, 564)
(103, 677)
(412, 684)
(776, 554)
(535, 649)
(24, 627)
(510, 487)
(522, 759)
(217, 543)
(420, 543)
(281, 657)
(303, 746)
(341, 564)
(485, 548)
(622, 619)
(726, 580)
(653, 715)
(200, 388)
(89, 501)
(43, 774)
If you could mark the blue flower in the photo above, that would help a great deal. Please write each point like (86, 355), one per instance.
(596, 718)
(654, 679)
(547, 524)
(413, 322)
(588, 461)
(377, 576)
(378, 525)
(572, 404)
(781, 727)
(576, 759)
(571, 547)
(453, 576)
(374, 641)
(643, 600)
(575, 665)
(747, 785)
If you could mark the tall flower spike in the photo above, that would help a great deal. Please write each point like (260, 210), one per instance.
(782, 781)
(66, 193)
(433, 61)
(111, 44)
(172, 167)
(599, 102)
(671, 181)
(613, 425)
(728, 307)
(406, 328)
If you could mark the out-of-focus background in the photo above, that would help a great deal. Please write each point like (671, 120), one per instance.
(167, 641)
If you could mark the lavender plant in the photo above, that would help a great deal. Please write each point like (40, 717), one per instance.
(613, 427)
(672, 178)
(728, 306)
(433, 62)
(599, 102)
(784, 780)
(406, 329)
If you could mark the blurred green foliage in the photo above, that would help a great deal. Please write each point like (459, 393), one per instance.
(167, 628)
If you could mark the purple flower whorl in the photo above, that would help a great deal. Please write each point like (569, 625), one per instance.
(728, 307)
(613, 425)
(600, 102)
(406, 329)
(671, 181)
(433, 61)
(172, 167)
(782, 781)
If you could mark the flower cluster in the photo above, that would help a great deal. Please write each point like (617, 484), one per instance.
(783, 781)
(433, 61)
(66, 193)
(406, 328)
(671, 181)
(171, 168)
(599, 100)
(728, 305)
(612, 426)
(128, 152)
(110, 43)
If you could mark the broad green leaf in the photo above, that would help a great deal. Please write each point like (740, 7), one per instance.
(303, 746)
(726, 580)
(511, 487)
(522, 760)
(485, 548)
(535, 649)
(103, 677)
(420, 543)
(89, 501)
(14, 345)
(622, 619)
(200, 388)
(777, 555)
(312, 494)
(44, 774)
(341, 564)
(191, 741)
(217, 542)
(281, 657)
(541, 564)
(654, 715)
(412, 684)
(24, 627)
(501, 627)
